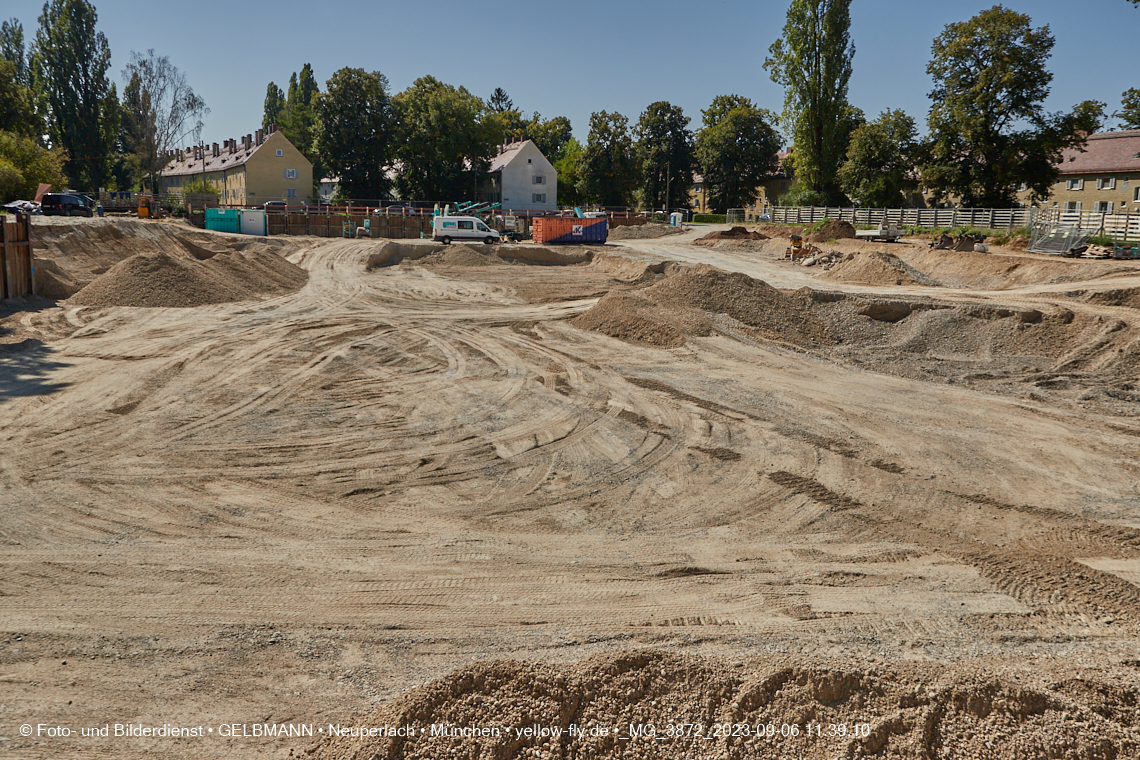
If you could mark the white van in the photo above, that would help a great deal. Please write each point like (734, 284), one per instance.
(448, 228)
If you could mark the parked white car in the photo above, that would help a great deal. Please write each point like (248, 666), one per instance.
(448, 228)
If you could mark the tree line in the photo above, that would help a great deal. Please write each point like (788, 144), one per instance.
(62, 121)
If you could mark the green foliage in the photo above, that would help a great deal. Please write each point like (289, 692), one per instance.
(609, 163)
(33, 163)
(568, 166)
(735, 150)
(813, 63)
(710, 218)
(163, 112)
(357, 127)
(198, 186)
(500, 101)
(447, 138)
(274, 106)
(880, 161)
(989, 131)
(69, 75)
(12, 49)
(665, 152)
(550, 136)
(1129, 113)
(803, 196)
(11, 180)
(17, 105)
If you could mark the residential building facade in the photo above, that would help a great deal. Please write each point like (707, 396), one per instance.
(1104, 178)
(263, 166)
(521, 179)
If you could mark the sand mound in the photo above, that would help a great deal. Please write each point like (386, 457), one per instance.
(684, 305)
(734, 233)
(878, 268)
(899, 711)
(460, 256)
(163, 279)
(631, 271)
(643, 232)
(833, 230)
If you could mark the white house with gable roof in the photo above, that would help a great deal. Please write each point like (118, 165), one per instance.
(521, 179)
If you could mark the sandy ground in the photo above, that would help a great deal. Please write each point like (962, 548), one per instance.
(293, 510)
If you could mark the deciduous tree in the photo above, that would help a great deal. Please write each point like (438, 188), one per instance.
(882, 158)
(164, 113)
(550, 136)
(70, 59)
(813, 63)
(736, 151)
(447, 138)
(356, 132)
(665, 152)
(28, 164)
(274, 106)
(609, 163)
(12, 49)
(568, 165)
(1129, 113)
(17, 105)
(989, 132)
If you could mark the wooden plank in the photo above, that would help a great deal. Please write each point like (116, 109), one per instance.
(3, 259)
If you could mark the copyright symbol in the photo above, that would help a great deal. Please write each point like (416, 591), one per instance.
(26, 730)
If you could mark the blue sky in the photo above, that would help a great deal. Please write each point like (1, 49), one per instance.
(574, 58)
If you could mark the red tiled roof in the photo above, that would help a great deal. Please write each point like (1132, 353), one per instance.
(1106, 152)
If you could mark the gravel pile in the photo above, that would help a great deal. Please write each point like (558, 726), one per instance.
(898, 711)
(683, 305)
(179, 279)
(643, 232)
(462, 256)
(879, 268)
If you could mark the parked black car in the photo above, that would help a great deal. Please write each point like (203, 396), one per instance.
(67, 204)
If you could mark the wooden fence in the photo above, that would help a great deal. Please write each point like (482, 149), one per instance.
(17, 273)
(332, 225)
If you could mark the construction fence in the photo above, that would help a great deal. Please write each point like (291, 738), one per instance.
(333, 223)
(17, 273)
(1124, 227)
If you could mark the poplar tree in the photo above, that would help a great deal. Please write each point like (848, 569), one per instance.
(812, 61)
(69, 74)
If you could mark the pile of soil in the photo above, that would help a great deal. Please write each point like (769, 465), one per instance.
(178, 279)
(833, 230)
(630, 271)
(463, 256)
(1121, 297)
(643, 232)
(878, 268)
(689, 302)
(734, 233)
(899, 711)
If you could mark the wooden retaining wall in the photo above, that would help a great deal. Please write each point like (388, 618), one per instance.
(17, 273)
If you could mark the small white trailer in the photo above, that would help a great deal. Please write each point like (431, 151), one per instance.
(887, 232)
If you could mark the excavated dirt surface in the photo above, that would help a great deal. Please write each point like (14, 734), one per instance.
(416, 495)
(833, 230)
(733, 233)
(643, 231)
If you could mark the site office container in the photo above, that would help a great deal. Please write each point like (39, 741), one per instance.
(555, 229)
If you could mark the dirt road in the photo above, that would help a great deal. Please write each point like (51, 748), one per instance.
(289, 510)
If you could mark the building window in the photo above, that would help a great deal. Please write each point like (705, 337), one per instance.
(1136, 195)
(291, 192)
(1106, 183)
(538, 198)
(1071, 206)
(1075, 184)
(539, 179)
(1104, 207)
(291, 173)
(280, 152)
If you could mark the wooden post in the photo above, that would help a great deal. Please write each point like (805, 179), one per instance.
(3, 257)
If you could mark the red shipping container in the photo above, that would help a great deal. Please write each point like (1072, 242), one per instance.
(556, 229)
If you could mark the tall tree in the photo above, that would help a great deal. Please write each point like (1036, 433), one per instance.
(69, 73)
(298, 120)
(1129, 113)
(448, 137)
(274, 106)
(609, 163)
(169, 113)
(17, 105)
(568, 166)
(813, 63)
(881, 161)
(736, 151)
(550, 136)
(665, 151)
(500, 101)
(12, 49)
(988, 130)
(355, 139)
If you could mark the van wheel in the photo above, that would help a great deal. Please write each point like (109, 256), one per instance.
(489, 240)
(446, 240)
(66, 211)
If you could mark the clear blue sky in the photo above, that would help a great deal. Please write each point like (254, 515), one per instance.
(574, 58)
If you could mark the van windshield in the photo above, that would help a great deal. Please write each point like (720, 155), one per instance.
(483, 228)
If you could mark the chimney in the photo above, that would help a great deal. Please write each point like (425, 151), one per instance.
(272, 128)
(260, 135)
(249, 142)
(217, 151)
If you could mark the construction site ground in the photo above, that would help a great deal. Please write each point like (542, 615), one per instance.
(437, 488)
